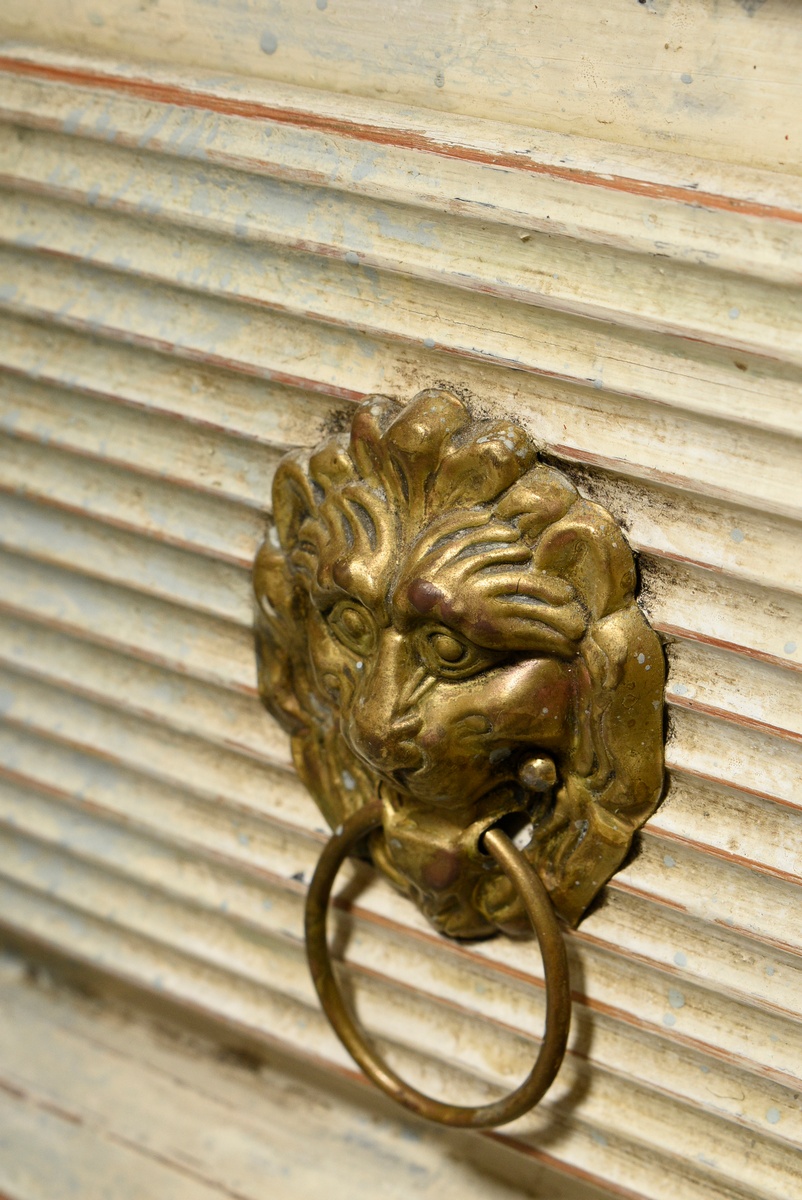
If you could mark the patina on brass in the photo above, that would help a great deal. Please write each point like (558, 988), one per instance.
(445, 624)
(449, 633)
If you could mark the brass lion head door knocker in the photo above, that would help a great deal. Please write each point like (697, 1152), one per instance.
(449, 633)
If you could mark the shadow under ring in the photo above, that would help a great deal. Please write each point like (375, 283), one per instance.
(555, 968)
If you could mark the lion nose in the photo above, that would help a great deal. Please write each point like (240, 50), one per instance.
(386, 745)
(381, 728)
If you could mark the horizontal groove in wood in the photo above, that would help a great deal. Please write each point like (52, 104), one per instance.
(712, 612)
(258, 1014)
(728, 821)
(221, 715)
(639, 365)
(209, 649)
(45, 1139)
(156, 631)
(724, 683)
(755, 761)
(254, 791)
(438, 1029)
(182, 577)
(160, 1097)
(163, 447)
(562, 274)
(111, 676)
(219, 933)
(670, 523)
(741, 752)
(738, 827)
(259, 900)
(652, 439)
(688, 601)
(70, 482)
(213, 398)
(666, 522)
(737, 824)
(716, 890)
(615, 195)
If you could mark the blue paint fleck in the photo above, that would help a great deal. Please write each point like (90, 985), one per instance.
(676, 998)
(773, 1115)
(361, 169)
(73, 120)
(352, 258)
(686, 78)
(737, 535)
(734, 314)
(268, 42)
(669, 1019)
(322, 5)
(769, 970)
(790, 647)
(681, 959)
(429, 343)
(669, 861)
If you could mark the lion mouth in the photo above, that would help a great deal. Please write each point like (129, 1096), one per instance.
(404, 777)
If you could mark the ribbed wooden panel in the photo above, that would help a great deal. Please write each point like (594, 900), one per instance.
(196, 276)
(173, 1118)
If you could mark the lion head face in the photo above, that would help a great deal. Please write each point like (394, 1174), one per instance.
(444, 622)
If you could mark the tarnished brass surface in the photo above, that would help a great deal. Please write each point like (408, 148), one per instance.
(446, 626)
(537, 906)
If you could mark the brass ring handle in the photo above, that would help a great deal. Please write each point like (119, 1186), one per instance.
(555, 966)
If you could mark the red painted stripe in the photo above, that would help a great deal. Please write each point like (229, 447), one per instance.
(183, 97)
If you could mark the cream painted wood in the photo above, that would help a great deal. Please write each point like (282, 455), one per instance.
(698, 76)
(108, 1106)
(208, 253)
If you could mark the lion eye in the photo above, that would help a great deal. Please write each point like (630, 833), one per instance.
(449, 656)
(353, 625)
(447, 647)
